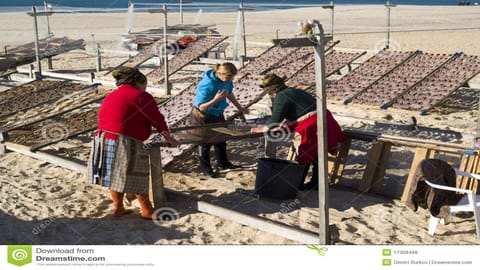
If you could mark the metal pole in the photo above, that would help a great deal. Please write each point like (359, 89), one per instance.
(333, 7)
(47, 20)
(243, 31)
(37, 52)
(388, 24)
(323, 203)
(165, 60)
(99, 57)
(181, 11)
(129, 15)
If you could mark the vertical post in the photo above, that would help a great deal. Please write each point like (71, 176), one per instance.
(388, 6)
(323, 203)
(388, 25)
(165, 62)
(243, 31)
(92, 77)
(31, 71)
(130, 7)
(49, 34)
(181, 11)
(332, 4)
(50, 62)
(98, 57)
(37, 52)
(157, 191)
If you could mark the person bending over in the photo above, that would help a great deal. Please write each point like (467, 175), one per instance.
(118, 159)
(295, 109)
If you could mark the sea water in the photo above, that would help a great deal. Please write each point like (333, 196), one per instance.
(205, 5)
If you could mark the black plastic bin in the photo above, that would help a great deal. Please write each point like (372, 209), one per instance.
(278, 179)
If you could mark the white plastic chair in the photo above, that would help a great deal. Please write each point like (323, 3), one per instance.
(468, 203)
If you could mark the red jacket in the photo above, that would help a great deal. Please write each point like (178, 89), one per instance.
(130, 111)
(307, 128)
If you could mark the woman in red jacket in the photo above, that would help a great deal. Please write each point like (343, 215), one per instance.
(119, 159)
(297, 110)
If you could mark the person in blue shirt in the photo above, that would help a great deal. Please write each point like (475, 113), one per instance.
(209, 104)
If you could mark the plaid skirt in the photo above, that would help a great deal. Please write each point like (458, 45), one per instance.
(121, 165)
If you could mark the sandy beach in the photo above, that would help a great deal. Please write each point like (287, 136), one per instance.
(44, 204)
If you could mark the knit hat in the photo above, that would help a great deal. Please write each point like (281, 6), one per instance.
(272, 83)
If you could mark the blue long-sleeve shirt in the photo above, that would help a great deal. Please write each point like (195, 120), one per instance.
(208, 88)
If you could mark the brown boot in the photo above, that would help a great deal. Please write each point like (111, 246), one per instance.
(146, 205)
(117, 198)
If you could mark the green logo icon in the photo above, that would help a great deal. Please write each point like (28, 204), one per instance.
(19, 255)
(387, 252)
(387, 262)
(320, 250)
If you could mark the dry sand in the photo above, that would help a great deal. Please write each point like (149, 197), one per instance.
(44, 204)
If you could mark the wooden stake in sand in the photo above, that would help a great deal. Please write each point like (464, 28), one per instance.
(318, 41)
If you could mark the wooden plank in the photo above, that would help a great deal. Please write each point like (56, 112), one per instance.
(157, 191)
(372, 160)
(468, 163)
(337, 165)
(211, 125)
(417, 142)
(382, 165)
(69, 136)
(55, 160)
(230, 132)
(269, 226)
(376, 164)
(322, 149)
(420, 154)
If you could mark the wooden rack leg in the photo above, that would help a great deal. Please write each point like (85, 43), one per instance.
(50, 62)
(336, 164)
(3, 149)
(376, 165)
(157, 192)
(470, 162)
(420, 154)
